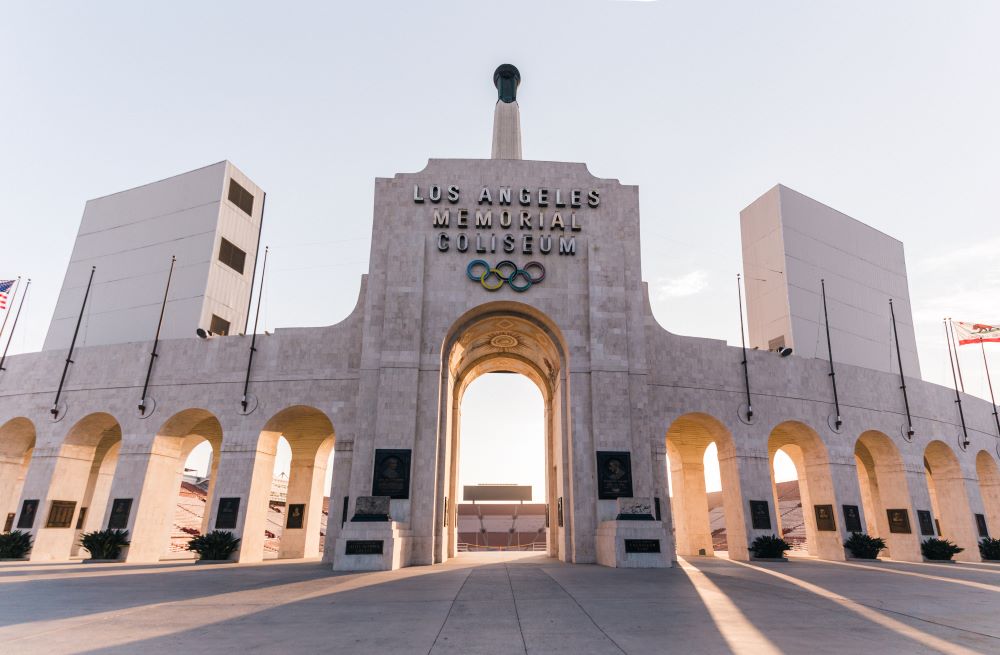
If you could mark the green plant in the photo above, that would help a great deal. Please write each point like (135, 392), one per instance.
(105, 544)
(864, 546)
(216, 545)
(14, 545)
(769, 546)
(939, 549)
(989, 548)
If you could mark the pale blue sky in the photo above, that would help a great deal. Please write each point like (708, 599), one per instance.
(886, 111)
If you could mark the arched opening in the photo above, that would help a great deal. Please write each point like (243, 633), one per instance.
(953, 518)
(808, 455)
(885, 494)
(17, 442)
(286, 507)
(698, 445)
(989, 487)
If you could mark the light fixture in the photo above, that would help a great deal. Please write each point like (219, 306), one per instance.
(784, 351)
(203, 333)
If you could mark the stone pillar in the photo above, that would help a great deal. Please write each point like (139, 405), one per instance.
(847, 491)
(905, 490)
(305, 486)
(245, 473)
(745, 476)
(340, 488)
(690, 501)
(957, 495)
(13, 471)
(661, 485)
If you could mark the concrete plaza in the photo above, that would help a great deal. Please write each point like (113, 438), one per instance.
(502, 603)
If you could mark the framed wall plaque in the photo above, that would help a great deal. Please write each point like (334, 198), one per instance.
(363, 547)
(614, 474)
(27, 519)
(825, 520)
(899, 521)
(121, 508)
(296, 516)
(642, 545)
(926, 522)
(80, 519)
(559, 511)
(852, 518)
(656, 505)
(8, 525)
(760, 515)
(981, 525)
(392, 473)
(229, 510)
(61, 514)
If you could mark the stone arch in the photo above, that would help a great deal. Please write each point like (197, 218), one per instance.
(989, 487)
(946, 484)
(17, 443)
(883, 480)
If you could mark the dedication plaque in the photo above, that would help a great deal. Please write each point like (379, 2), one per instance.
(229, 509)
(80, 519)
(28, 510)
(296, 516)
(8, 525)
(642, 545)
(926, 522)
(559, 512)
(392, 473)
(899, 521)
(825, 520)
(120, 511)
(760, 515)
(614, 474)
(852, 518)
(61, 514)
(981, 525)
(363, 547)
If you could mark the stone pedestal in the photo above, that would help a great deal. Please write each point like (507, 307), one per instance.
(612, 549)
(356, 548)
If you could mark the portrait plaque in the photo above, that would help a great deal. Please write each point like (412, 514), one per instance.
(80, 519)
(852, 518)
(559, 511)
(392, 473)
(61, 514)
(8, 525)
(229, 510)
(642, 545)
(899, 521)
(28, 511)
(981, 525)
(363, 547)
(614, 474)
(120, 511)
(296, 516)
(825, 520)
(926, 522)
(760, 515)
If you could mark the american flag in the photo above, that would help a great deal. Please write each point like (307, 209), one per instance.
(5, 286)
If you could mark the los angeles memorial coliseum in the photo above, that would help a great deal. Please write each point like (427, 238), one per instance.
(480, 266)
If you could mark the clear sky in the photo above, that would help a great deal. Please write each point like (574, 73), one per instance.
(886, 111)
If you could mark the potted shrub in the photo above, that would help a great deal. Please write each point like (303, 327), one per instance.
(864, 546)
(216, 546)
(989, 548)
(105, 545)
(15, 545)
(939, 550)
(769, 547)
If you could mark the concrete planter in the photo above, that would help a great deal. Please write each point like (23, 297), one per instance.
(13, 559)
(102, 561)
(768, 559)
(939, 561)
(214, 561)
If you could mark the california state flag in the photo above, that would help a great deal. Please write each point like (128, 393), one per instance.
(975, 332)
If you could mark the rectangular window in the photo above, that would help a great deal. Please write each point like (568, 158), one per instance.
(232, 256)
(240, 197)
(219, 326)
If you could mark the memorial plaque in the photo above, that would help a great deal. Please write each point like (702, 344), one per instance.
(61, 514)
(80, 519)
(371, 508)
(852, 518)
(559, 512)
(120, 511)
(981, 524)
(642, 545)
(8, 525)
(825, 520)
(926, 522)
(614, 474)
(363, 547)
(634, 509)
(656, 504)
(392, 473)
(343, 511)
(760, 515)
(296, 516)
(229, 510)
(546, 515)
(445, 523)
(899, 521)
(27, 519)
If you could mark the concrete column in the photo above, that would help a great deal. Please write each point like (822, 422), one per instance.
(690, 501)
(661, 485)
(906, 489)
(305, 486)
(245, 472)
(340, 487)
(12, 473)
(989, 489)
(954, 493)
(745, 477)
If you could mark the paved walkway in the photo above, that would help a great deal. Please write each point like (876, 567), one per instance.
(510, 603)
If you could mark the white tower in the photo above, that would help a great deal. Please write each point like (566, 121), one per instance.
(507, 116)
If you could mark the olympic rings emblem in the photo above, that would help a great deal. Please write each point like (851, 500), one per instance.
(493, 277)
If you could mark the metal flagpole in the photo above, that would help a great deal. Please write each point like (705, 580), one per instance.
(989, 383)
(69, 356)
(902, 379)
(13, 326)
(253, 339)
(829, 348)
(954, 347)
(958, 398)
(743, 340)
(13, 297)
(253, 276)
(156, 339)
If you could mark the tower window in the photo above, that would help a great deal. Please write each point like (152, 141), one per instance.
(240, 197)
(219, 326)
(232, 256)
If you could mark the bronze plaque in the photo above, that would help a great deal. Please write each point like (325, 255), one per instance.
(899, 521)
(392, 473)
(760, 515)
(27, 519)
(363, 547)
(614, 474)
(80, 519)
(642, 545)
(61, 514)
(852, 518)
(229, 511)
(296, 516)
(981, 525)
(121, 508)
(825, 520)
(8, 525)
(926, 522)
(559, 511)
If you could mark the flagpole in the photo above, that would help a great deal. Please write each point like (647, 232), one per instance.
(14, 325)
(958, 364)
(989, 383)
(958, 398)
(902, 378)
(829, 348)
(253, 340)
(156, 339)
(743, 341)
(13, 296)
(72, 345)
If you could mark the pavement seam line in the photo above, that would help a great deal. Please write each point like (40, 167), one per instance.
(450, 608)
(585, 612)
(517, 615)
